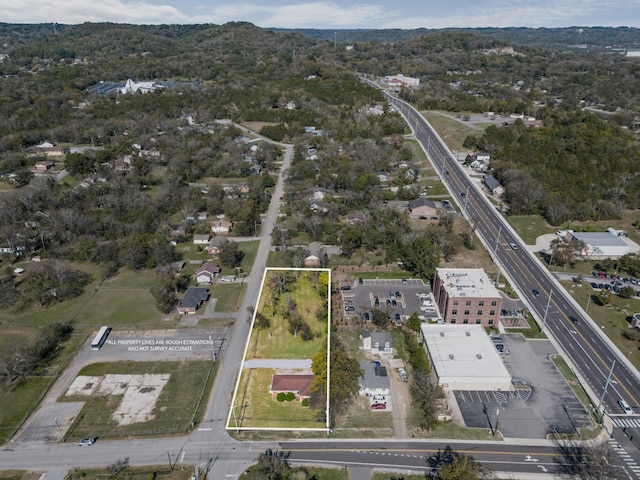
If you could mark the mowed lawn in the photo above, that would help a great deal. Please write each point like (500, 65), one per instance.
(124, 299)
(179, 403)
(256, 408)
(276, 341)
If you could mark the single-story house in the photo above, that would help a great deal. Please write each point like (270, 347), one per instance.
(312, 261)
(377, 342)
(201, 239)
(207, 273)
(299, 385)
(44, 165)
(423, 208)
(197, 216)
(221, 226)
(215, 245)
(193, 298)
(174, 266)
(493, 185)
(355, 216)
(374, 380)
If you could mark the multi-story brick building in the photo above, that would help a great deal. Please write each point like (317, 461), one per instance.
(466, 296)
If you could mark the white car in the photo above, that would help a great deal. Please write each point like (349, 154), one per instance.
(227, 279)
(87, 442)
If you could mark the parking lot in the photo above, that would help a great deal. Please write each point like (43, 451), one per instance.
(399, 298)
(542, 403)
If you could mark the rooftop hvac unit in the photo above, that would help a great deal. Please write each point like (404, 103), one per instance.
(451, 356)
(467, 333)
(442, 334)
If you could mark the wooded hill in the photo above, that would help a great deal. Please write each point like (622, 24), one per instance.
(248, 74)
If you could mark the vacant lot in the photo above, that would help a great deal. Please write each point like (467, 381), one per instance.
(177, 406)
(275, 341)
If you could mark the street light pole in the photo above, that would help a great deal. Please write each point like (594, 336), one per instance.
(546, 311)
(606, 385)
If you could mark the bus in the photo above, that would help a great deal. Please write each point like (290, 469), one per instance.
(100, 338)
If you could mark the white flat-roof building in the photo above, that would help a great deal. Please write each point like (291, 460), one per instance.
(600, 244)
(464, 358)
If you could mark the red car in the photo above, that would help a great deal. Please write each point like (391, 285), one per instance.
(378, 406)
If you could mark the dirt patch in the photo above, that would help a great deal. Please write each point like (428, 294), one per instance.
(139, 393)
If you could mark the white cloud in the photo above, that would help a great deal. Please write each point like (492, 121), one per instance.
(80, 11)
(519, 13)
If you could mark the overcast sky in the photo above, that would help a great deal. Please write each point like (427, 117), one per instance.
(338, 14)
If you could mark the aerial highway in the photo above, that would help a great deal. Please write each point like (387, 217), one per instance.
(605, 370)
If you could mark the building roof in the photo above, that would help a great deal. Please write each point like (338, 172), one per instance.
(603, 239)
(421, 202)
(194, 296)
(292, 383)
(202, 237)
(208, 267)
(375, 377)
(467, 282)
(491, 182)
(463, 351)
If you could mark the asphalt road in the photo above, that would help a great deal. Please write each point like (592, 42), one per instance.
(211, 444)
(603, 370)
(590, 352)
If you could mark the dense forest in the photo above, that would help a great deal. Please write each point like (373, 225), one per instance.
(133, 163)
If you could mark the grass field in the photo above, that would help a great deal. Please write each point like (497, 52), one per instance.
(19, 475)
(184, 472)
(317, 473)
(276, 341)
(228, 296)
(530, 227)
(360, 416)
(179, 404)
(17, 401)
(256, 408)
(451, 131)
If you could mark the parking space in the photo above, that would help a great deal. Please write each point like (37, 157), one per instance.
(399, 298)
(541, 404)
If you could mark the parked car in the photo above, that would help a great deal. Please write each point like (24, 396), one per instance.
(367, 317)
(360, 281)
(594, 285)
(349, 308)
(497, 339)
(403, 375)
(378, 406)
(499, 346)
(504, 351)
(398, 295)
(87, 442)
(345, 287)
(404, 281)
(398, 319)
